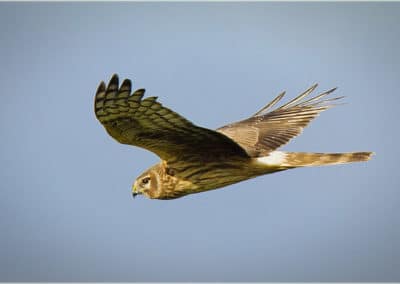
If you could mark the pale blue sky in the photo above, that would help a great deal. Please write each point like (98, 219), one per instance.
(66, 211)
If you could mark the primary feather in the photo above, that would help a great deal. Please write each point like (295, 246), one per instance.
(269, 129)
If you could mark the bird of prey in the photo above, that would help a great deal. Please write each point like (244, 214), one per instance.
(196, 159)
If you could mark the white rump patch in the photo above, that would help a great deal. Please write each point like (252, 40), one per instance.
(274, 158)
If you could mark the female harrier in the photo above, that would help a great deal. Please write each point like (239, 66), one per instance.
(196, 159)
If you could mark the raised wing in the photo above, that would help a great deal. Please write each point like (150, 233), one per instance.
(132, 120)
(268, 130)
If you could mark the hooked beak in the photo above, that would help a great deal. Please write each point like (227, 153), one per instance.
(134, 190)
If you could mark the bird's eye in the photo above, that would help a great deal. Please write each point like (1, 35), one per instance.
(145, 180)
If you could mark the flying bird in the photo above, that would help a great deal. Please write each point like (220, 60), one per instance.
(196, 159)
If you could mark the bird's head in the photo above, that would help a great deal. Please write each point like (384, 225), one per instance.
(160, 182)
(148, 183)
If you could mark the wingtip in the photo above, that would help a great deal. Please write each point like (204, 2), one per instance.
(114, 81)
(313, 87)
(101, 87)
(126, 85)
(310, 89)
(332, 90)
(137, 95)
(282, 94)
(270, 104)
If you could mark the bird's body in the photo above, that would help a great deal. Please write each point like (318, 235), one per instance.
(196, 159)
(197, 177)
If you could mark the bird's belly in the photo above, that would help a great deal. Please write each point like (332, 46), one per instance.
(224, 176)
(198, 178)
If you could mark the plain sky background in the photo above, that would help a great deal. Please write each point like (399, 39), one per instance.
(66, 211)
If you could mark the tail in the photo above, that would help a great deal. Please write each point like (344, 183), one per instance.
(289, 160)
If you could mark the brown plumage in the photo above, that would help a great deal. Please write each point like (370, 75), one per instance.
(196, 159)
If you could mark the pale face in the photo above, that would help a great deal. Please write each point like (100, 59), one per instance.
(146, 184)
(161, 183)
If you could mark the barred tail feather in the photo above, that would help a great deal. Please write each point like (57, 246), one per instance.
(299, 159)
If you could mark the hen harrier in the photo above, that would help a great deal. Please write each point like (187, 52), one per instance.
(196, 159)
